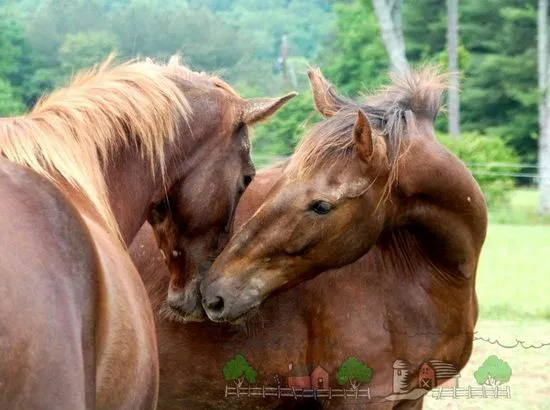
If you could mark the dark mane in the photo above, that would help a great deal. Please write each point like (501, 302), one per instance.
(393, 112)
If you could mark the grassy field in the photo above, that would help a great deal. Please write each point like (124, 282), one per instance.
(513, 279)
(513, 287)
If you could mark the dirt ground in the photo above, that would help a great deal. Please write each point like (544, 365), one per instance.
(530, 380)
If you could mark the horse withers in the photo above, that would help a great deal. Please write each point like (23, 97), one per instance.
(113, 146)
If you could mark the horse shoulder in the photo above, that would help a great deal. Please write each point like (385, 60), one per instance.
(47, 298)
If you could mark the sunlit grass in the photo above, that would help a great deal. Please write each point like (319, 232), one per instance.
(514, 272)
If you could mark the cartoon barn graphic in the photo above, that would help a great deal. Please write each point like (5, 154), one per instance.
(435, 373)
(305, 376)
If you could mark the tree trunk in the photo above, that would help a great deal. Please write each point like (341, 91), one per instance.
(388, 13)
(454, 82)
(544, 108)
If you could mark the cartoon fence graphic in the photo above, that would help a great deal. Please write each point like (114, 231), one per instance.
(472, 392)
(296, 393)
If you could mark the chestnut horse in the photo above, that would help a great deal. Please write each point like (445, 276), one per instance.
(409, 296)
(81, 173)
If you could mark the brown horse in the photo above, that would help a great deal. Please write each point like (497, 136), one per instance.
(370, 181)
(82, 173)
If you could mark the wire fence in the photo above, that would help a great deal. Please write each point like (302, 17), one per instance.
(508, 170)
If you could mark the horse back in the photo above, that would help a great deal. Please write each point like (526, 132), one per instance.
(48, 268)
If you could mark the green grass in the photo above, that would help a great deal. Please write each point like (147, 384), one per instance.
(513, 279)
(522, 209)
(514, 271)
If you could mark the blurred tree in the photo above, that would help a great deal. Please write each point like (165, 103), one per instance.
(84, 50)
(389, 15)
(454, 84)
(354, 57)
(10, 104)
(500, 94)
(544, 107)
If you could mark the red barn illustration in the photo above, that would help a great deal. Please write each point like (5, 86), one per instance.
(436, 373)
(426, 377)
(305, 376)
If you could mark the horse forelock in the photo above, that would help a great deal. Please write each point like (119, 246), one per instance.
(73, 132)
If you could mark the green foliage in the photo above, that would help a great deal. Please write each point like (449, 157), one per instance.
(500, 83)
(238, 369)
(281, 134)
(482, 154)
(42, 42)
(84, 49)
(9, 103)
(355, 58)
(494, 371)
(353, 371)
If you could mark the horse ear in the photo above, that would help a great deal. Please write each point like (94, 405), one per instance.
(326, 100)
(258, 109)
(362, 135)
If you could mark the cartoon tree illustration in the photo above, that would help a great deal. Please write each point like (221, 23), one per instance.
(238, 369)
(353, 371)
(493, 372)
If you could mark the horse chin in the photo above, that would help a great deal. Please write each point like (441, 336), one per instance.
(184, 307)
(176, 314)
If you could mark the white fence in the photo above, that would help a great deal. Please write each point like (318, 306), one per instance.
(472, 392)
(296, 393)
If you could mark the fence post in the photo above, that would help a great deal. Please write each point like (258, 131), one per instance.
(440, 393)
(226, 390)
(496, 392)
(279, 391)
(330, 393)
(368, 392)
(509, 391)
(345, 394)
(454, 392)
(470, 392)
(263, 391)
(484, 392)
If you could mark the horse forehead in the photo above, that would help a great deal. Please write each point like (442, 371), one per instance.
(350, 189)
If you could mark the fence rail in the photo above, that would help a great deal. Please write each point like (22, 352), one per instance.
(472, 392)
(296, 393)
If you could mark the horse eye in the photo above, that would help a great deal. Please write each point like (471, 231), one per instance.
(321, 207)
(159, 212)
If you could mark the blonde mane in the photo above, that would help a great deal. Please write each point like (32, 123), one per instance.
(75, 132)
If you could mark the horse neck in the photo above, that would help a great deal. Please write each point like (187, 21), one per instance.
(443, 206)
(132, 189)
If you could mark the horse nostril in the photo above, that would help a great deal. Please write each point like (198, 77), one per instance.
(215, 304)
